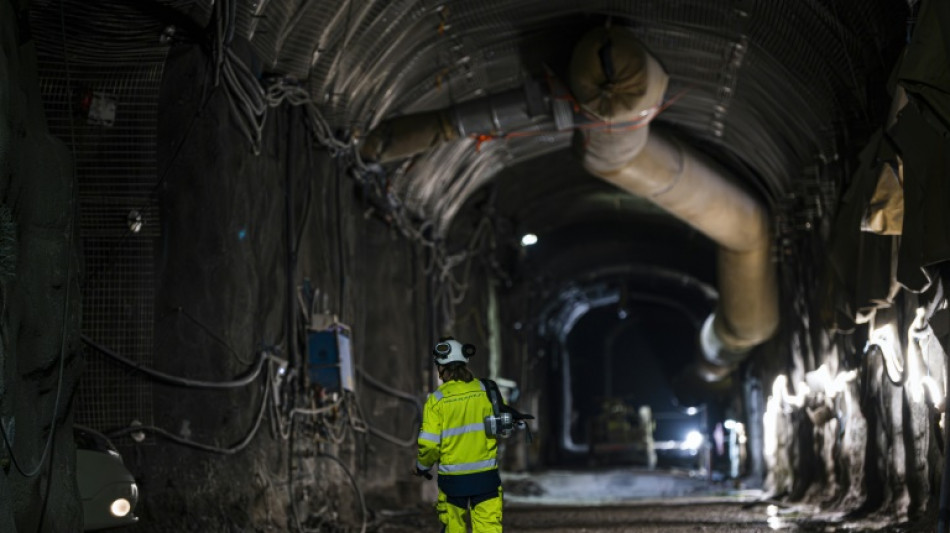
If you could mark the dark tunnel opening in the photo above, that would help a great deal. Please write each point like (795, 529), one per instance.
(620, 353)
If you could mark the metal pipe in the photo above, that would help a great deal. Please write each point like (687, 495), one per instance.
(406, 136)
(502, 113)
(497, 114)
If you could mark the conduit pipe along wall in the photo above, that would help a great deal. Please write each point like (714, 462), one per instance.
(620, 88)
(515, 110)
(614, 78)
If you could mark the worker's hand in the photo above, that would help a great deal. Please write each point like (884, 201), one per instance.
(422, 473)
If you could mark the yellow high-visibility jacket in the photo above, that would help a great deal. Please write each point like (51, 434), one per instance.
(453, 434)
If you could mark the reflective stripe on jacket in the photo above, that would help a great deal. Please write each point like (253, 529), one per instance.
(453, 430)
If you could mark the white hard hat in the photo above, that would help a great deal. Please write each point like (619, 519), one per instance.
(452, 351)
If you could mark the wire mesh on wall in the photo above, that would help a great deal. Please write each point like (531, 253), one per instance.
(100, 69)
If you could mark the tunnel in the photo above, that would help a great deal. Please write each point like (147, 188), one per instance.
(697, 247)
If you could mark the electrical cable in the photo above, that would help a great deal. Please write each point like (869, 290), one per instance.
(217, 46)
(407, 443)
(336, 435)
(232, 21)
(307, 206)
(290, 478)
(247, 378)
(277, 422)
(244, 86)
(450, 291)
(315, 412)
(304, 412)
(352, 479)
(392, 439)
(290, 322)
(341, 259)
(249, 101)
(405, 396)
(231, 450)
(357, 423)
(207, 330)
(280, 90)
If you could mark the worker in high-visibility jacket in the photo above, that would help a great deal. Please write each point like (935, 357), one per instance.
(453, 435)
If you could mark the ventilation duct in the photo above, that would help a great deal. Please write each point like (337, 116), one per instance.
(615, 79)
(515, 110)
(620, 88)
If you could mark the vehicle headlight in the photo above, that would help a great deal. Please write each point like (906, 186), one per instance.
(120, 507)
(694, 440)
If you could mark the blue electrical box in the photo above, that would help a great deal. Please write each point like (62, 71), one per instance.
(330, 359)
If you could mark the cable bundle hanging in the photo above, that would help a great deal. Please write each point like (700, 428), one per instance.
(247, 378)
(230, 450)
(245, 95)
(245, 99)
(169, 379)
(248, 100)
(280, 90)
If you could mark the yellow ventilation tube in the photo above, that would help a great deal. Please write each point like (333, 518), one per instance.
(614, 78)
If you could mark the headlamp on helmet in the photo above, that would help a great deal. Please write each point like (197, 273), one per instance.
(452, 351)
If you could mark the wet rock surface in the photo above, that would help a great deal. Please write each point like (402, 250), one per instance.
(675, 515)
(621, 499)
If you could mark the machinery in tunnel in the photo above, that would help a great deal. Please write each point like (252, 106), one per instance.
(626, 347)
(736, 264)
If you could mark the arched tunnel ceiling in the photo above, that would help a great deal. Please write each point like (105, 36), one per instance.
(780, 94)
(776, 91)
(550, 191)
(771, 89)
(584, 224)
(767, 98)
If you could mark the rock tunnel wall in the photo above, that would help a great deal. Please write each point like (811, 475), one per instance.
(39, 296)
(221, 300)
(224, 262)
(859, 434)
(856, 413)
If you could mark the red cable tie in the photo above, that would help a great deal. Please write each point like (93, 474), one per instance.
(479, 139)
